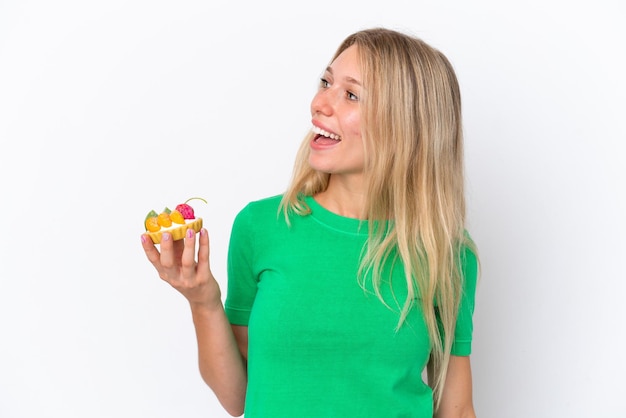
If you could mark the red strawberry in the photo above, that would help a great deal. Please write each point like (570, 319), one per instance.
(186, 211)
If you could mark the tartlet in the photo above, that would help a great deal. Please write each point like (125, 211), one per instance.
(175, 222)
(176, 231)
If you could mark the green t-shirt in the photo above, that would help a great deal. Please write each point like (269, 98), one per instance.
(319, 344)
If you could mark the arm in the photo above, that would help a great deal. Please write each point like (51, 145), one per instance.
(456, 401)
(222, 364)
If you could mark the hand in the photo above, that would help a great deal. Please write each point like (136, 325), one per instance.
(176, 264)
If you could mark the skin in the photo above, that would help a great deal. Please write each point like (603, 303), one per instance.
(222, 348)
(457, 401)
(335, 108)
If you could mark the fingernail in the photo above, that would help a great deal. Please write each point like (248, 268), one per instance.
(143, 239)
(165, 236)
(190, 233)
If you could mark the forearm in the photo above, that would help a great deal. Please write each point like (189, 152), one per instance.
(467, 412)
(221, 364)
(456, 400)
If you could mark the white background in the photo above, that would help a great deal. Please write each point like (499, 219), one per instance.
(110, 109)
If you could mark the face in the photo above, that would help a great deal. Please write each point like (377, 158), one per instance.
(337, 147)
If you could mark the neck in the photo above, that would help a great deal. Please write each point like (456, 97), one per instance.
(343, 199)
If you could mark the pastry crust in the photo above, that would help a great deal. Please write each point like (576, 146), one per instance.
(178, 232)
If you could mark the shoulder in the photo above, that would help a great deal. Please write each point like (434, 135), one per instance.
(260, 207)
(469, 261)
(259, 212)
(469, 251)
(271, 202)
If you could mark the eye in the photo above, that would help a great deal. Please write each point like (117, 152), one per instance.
(324, 83)
(352, 96)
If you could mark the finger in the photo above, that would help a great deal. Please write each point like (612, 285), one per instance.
(151, 251)
(203, 252)
(178, 247)
(188, 258)
(168, 255)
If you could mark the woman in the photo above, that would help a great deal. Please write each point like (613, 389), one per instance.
(345, 288)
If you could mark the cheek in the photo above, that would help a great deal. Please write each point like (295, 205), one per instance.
(353, 124)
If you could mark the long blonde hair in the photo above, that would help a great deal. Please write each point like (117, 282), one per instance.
(412, 133)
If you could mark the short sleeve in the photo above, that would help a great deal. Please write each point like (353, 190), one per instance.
(242, 280)
(462, 345)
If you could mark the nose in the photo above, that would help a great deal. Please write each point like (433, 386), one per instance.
(321, 103)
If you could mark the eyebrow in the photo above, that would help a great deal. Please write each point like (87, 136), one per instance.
(348, 79)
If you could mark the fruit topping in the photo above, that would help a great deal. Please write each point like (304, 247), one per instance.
(151, 222)
(164, 219)
(186, 210)
(177, 217)
(155, 221)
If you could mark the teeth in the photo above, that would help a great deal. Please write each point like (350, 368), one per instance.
(326, 134)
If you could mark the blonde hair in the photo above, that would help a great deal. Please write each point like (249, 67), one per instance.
(411, 128)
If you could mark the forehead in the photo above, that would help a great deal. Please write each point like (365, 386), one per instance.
(346, 65)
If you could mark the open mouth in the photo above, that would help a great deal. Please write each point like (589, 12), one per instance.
(325, 137)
